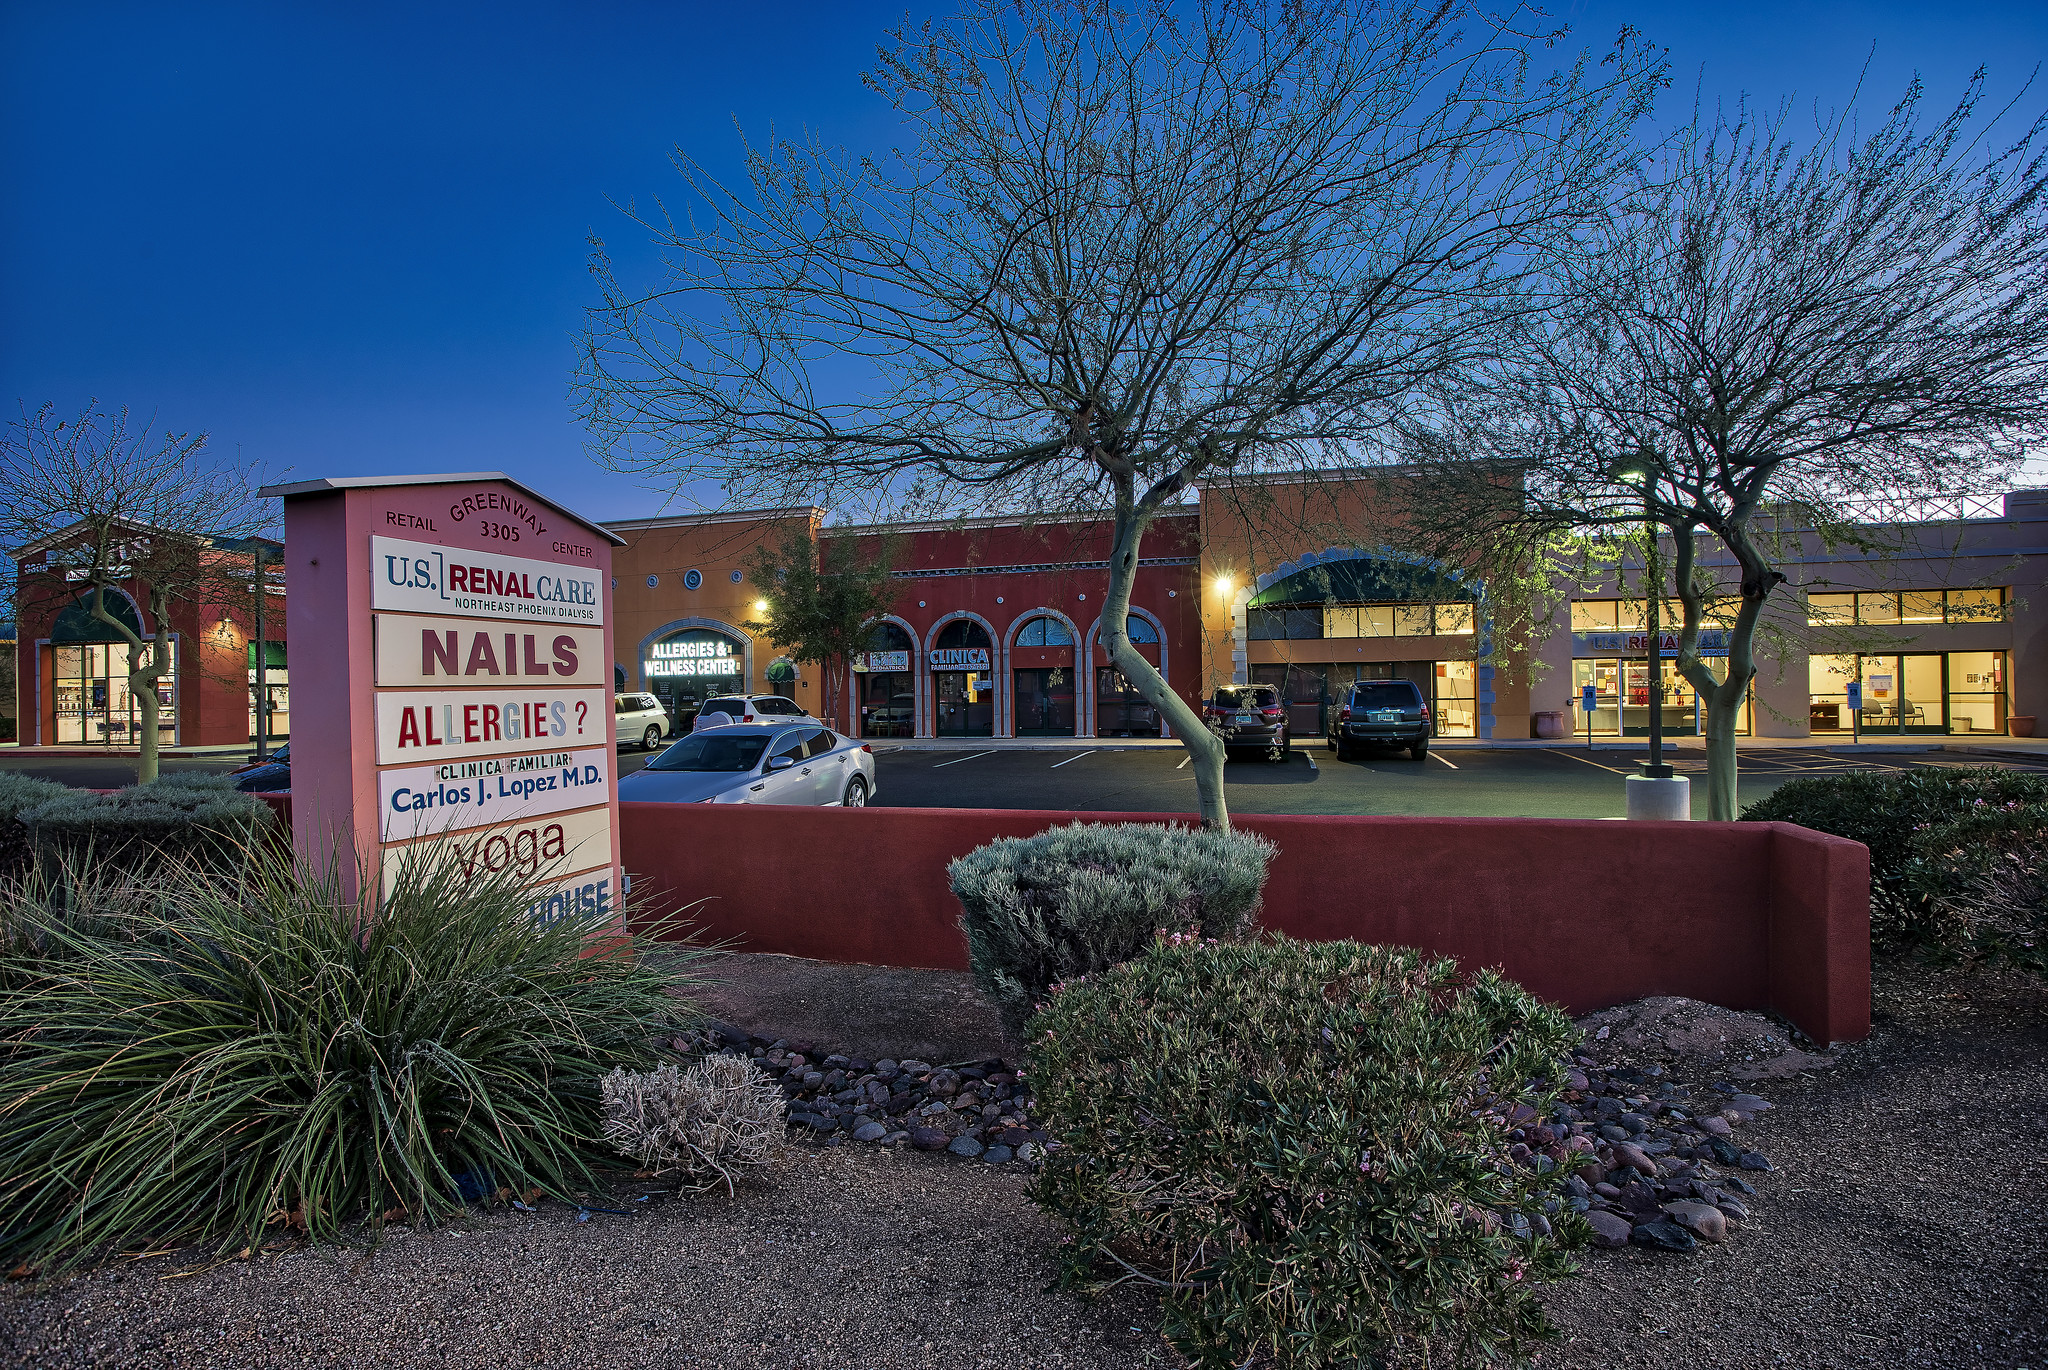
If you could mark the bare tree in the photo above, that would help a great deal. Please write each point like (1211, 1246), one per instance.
(1127, 249)
(113, 506)
(1768, 329)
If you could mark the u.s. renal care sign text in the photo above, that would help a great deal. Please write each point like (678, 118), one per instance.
(421, 578)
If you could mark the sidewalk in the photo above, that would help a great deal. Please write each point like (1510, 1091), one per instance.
(2027, 747)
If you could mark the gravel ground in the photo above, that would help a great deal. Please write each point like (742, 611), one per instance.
(1904, 1225)
(926, 1015)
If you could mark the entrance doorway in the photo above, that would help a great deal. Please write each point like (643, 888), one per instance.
(1902, 694)
(967, 703)
(1045, 701)
(93, 701)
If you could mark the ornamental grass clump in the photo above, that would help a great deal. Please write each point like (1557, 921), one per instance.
(268, 1055)
(1074, 900)
(1309, 1149)
(707, 1124)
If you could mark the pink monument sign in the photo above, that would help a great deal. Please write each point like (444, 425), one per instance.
(452, 682)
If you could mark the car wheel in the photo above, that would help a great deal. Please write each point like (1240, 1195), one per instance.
(650, 739)
(1418, 751)
(856, 796)
(1343, 752)
(1330, 742)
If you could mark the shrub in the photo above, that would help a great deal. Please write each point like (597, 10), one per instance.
(1306, 1147)
(1073, 900)
(1889, 813)
(721, 1116)
(19, 793)
(173, 820)
(272, 1052)
(1985, 876)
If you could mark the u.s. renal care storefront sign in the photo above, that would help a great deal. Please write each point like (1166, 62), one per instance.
(478, 732)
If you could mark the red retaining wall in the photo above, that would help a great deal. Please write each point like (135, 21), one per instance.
(1763, 916)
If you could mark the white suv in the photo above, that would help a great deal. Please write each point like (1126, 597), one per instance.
(724, 710)
(639, 718)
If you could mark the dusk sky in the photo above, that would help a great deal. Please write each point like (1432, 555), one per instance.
(351, 239)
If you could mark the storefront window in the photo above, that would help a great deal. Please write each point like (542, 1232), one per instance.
(686, 668)
(1120, 711)
(1913, 692)
(1836, 608)
(1457, 699)
(883, 692)
(1044, 632)
(93, 701)
(1395, 620)
(277, 682)
(963, 688)
(1621, 697)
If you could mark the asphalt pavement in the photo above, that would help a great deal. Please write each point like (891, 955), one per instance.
(1538, 782)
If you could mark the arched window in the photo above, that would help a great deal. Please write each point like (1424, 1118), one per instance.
(1044, 631)
(1139, 630)
(888, 637)
(963, 632)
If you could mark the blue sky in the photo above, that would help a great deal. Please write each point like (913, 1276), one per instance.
(350, 239)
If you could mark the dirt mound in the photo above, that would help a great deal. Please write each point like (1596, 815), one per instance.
(1695, 1039)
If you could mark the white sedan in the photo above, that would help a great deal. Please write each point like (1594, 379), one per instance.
(757, 763)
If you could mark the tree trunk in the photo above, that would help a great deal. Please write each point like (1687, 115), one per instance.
(1205, 749)
(1721, 767)
(144, 663)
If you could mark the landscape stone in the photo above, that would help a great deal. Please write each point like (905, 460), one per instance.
(1702, 1220)
(965, 1146)
(870, 1132)
(1663, 1235)
(928, 1139)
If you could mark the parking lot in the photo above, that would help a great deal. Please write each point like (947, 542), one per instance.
(1545, 782)
(1554, 782)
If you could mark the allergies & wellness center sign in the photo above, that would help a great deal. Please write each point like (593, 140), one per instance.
(463, 711)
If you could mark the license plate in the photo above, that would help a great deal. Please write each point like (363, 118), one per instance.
(1248, 720)
(1387, 716)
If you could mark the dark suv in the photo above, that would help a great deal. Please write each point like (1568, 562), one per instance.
(1390, 713)
(1250, 716)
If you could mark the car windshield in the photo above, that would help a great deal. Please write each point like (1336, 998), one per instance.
(712, 751)
(1245, 699)
(1384, 694)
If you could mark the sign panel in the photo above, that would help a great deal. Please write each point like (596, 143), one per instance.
(959, 659)
(431, 725)
(590, 892)
(708, 656)
(1713, 642)
(412, 650)
(885, 661)
(422, 578)
(418, 801)
(545, 849)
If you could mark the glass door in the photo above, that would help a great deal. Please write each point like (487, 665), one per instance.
(1903, 694)
(966, 703)
(1045, 701)
(887, 707)
(93, 701)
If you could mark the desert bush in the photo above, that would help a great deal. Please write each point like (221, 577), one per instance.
(1073, 900)
(174, 820)
(19, 793)
(1890, 814)
(1985, 877)
(269, 1052)
(1307, 1149)
(708, 1123)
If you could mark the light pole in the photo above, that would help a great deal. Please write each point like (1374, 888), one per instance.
(1657, 793)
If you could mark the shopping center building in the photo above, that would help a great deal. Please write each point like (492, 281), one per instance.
(996, 629)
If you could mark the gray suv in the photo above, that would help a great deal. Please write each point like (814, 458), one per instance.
(1248, 716)
(1385, 713)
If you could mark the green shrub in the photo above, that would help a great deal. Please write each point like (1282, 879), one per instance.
(19, 793)
(1073, 900)
(174, 820)
(1305, 1147)
(1889, 813)
(1985, 877)
(273, 1055)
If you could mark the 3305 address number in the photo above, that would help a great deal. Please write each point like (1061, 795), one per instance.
(504, 532)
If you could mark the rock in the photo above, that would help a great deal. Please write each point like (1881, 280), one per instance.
(1665, 1030)
(1634, 1158)
(934, 1109)
(1031, 1152)
(1753, 1160)
(1702, 1220)
(1718, 1126)
(1606, 1190)
(1609, 1229)
(1663, 1235)
(914, 1067)
(965, 1146)
(1734, 1208)
(1739, 1185)
(1749, 1103)
(1639, 1198)
(996, 1155)
(1613, 1133)
(1573, 1079)
(884, 1067)
(928, 1139)
(1725, 1151)
(870, 1132)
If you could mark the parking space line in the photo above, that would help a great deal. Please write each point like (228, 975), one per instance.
(1183, 761)
(958, 759)
(1055, 765)
(1559, 751)
(1438, 755)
